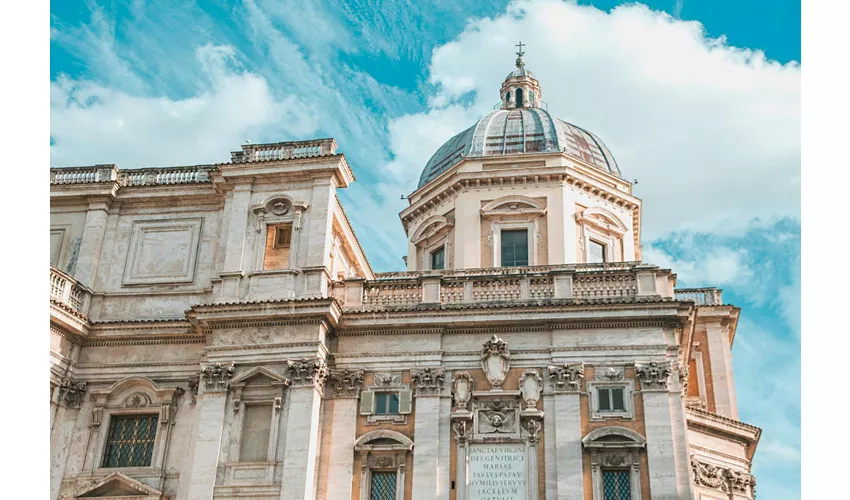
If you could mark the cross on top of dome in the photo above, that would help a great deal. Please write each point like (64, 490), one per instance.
(519, 62)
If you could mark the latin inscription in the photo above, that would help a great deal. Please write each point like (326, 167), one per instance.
(497, 471)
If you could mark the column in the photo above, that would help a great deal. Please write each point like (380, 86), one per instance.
(92, 242)
(345, 386)
(210, 414)
(660, 447)
(720, 356)
(444, 482)
(426, 452)
(566, 384)
(300, 455)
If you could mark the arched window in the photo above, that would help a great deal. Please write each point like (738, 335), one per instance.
(519, 98)
(615, 462)
(383, 460)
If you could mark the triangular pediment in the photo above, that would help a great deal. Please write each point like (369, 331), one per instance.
(118, 486)
(259, 376)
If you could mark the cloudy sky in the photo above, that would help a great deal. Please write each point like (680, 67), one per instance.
(699, 100)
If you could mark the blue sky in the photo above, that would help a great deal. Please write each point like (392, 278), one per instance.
(698, 100)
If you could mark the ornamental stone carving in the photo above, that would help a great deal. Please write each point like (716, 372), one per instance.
(461, 429)
(609, 373)
(498, 418)
(345, 383)
(428, 380)
(496, 360)
(462, 388)
(387, 379)
(533, 428)
(722, 478)
(308, 372)
(216, 376)
(194, 380)
(567, 377)
(653, 375)
(683, 380)
(71, 392)
(530, 385)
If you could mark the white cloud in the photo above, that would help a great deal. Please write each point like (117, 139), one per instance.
(714, 266)
(710, 131)
(104, 125)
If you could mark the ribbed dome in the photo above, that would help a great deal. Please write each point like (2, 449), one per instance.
(516, 131)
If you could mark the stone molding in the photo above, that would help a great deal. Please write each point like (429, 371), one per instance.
(683, 379)
(566, 377)
(217, 376)
(345, 383)
(428, 381)
(305, 372)
(653, 375)
(723, 478)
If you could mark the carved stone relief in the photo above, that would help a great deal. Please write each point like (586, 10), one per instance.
(428, 380)
(462, 387)
(609, 373)
(194, 381)
(722, 478)
(387, 379)
(499, 418)
(530, 385)
(496, 361)
(71, 392)
(653, 375)
(567, 377)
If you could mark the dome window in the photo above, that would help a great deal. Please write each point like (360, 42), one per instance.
(519, 98)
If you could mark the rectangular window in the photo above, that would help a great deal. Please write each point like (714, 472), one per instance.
(611, 399)
(383, 486)
(282, 236)
(596, 252)
(616, 485)
(386, 403)
(130, 440)
(438, 258)
(514, 247)
(256, 425)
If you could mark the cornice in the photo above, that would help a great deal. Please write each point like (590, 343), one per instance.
(138, 340)
(725, 428)
(66, 334)
(710, 452)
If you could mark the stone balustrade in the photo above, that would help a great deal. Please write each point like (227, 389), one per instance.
(65, 290)
(615, 282)
(135, 177)
(701, 296)
(283, 151)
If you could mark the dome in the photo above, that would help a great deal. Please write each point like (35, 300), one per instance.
(517, 131)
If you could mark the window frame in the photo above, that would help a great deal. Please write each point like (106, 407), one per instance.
(502, 234)
(604, 246)
(388, 405)
(596, 413)
(277, 230)
(135, 412)
(384, 457)
(384, 382)
(623, 452)
(529, 225)
(441, 250)
(602, 472)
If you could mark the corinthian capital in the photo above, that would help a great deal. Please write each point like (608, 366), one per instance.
(566, 377)
(308, 372)
(653, 375)
(216, 376)
(428, 380)
(345, 383)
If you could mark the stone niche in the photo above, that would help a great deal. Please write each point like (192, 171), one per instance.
(497, 431)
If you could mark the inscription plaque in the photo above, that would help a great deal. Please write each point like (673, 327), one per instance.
(497, 471)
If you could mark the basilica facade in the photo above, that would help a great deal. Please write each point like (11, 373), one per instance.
(217, 332)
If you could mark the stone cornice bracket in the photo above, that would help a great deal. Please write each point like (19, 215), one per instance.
(722, 478)
(305, 372)
(71, 392)
(566, 377)
(653, 376)
(428, 380)
(217, 376)
(496, 361)
(345, 383)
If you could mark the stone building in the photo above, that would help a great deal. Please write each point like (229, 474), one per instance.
(217, 332)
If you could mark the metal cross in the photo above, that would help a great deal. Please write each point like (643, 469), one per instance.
(520, 53)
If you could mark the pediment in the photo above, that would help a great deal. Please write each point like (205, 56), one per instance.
(259, 376)
(117, 486)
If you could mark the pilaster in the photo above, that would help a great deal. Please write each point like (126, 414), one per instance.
(345, 388)
(720, 353)
(660, 449)
(211, 404)
(566, 384)
(426, 477)
(302, 429)
(91, 245)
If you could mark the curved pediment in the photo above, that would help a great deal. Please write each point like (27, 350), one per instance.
(613, 435)
(603, 219)
(430, 227)
(383, 439)
(514, 205)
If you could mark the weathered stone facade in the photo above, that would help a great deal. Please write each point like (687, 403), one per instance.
(232, 306)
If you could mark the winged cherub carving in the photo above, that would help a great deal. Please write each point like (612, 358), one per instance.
(491, 422)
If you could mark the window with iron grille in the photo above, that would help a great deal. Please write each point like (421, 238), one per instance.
(616, 485)
(130, 441)
(383, 486)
